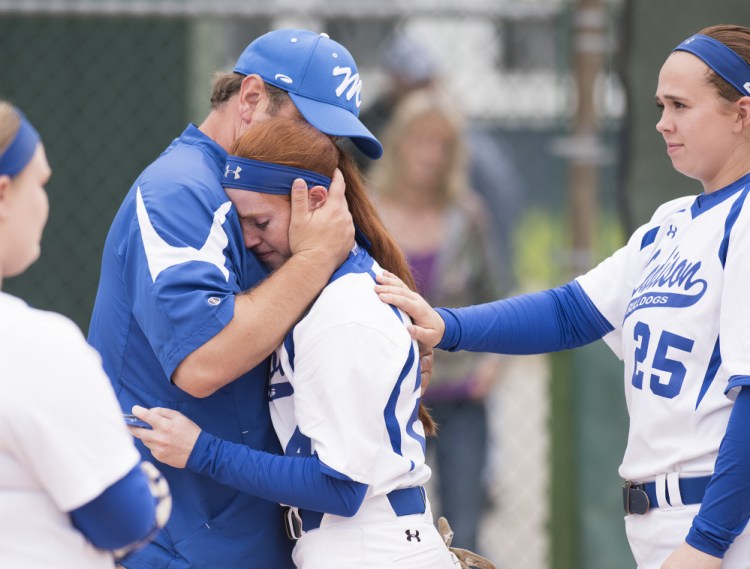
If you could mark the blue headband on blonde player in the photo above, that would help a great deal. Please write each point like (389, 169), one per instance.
(723, 60)
(267, 178)
(20, 150)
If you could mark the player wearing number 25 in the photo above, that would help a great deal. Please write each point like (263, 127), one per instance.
(674, 305)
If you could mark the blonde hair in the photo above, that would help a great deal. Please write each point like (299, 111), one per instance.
(736, 38)
(9, 124)
(387, 173)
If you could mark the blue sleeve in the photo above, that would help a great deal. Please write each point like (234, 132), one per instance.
(293, 480)
(123, 514)
(726, 506)
(180, 277)
(547, 321)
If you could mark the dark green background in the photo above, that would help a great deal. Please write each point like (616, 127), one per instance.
(107, 97)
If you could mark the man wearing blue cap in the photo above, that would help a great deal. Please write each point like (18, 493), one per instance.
(185, 315)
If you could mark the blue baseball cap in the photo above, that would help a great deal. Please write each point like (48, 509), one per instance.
(321, 78)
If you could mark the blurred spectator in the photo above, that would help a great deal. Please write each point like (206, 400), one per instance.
(409, 66)
(425, 200)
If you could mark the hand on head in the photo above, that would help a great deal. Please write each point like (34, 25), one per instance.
(325, 232)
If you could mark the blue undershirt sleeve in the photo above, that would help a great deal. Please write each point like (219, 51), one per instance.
(558, 319)
(121, 515)
(292, 480)
(725, 509)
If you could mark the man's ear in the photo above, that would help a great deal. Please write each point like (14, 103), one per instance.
(4, 193)
(252, 92)
(317, 196)
(744, 108)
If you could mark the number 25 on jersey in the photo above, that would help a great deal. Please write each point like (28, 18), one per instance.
(669, 384)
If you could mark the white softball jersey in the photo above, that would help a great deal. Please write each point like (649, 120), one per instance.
(676, 295)
(353, 371)
(62, 439)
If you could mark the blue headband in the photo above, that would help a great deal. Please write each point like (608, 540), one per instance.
(267, 178)
(21, 148)
(724, 61)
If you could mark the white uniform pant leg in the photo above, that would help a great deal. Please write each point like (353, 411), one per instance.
(655, 535)
(371, 542)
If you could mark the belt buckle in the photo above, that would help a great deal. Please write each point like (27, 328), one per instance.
(292, 523)
(634, 499)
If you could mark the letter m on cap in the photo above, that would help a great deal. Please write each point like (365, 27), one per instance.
(352, 81)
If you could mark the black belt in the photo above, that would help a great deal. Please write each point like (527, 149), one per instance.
(640, 498)
(404, 501)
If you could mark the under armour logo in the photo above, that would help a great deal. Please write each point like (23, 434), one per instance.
(235, 172)
(414, 535)
(352, 81)
(672, 231)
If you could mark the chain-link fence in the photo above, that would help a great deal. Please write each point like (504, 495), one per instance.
(111, 83)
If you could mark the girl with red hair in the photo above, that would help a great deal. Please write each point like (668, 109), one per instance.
(344, 386)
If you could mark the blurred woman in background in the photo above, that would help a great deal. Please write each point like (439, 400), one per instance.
(441, 224)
